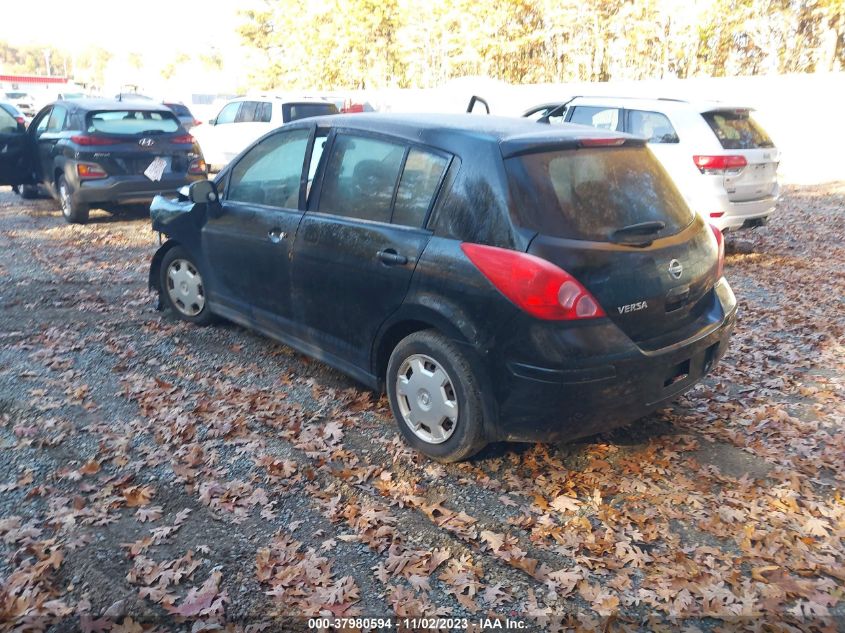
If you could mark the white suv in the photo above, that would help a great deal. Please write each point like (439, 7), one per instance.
(245, 119)
(23, 101)
(722, 161)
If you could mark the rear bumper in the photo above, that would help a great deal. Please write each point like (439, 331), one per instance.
(734, 215)
(612, 390)
(128, 189)
(742, 214)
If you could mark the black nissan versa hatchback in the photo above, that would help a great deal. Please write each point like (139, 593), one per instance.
(93, 151)
(502, 280)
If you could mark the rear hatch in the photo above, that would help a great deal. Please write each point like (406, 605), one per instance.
(127, 142)
(613, 218)
(740, 135)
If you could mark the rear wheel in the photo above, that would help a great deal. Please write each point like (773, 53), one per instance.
(73, 212)
(181, 287)
(435, 397)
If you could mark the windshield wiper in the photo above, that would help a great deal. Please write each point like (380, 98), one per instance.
(639, 234)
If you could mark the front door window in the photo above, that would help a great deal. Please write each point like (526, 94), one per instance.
(270, 173)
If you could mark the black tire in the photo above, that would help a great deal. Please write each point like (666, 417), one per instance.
(72, 211)
(183, 302)
(467, 432)
(28, 192)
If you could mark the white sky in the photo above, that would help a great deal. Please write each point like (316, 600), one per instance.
(161, 28)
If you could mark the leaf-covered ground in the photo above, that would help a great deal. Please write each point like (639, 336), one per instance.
(156, 475)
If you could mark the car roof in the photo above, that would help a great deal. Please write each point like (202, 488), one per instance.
(665, 104)
(515, 135)
(89, 104)
(284, 98)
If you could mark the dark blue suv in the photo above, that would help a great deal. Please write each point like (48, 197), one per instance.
(500, 279)
(98, 152)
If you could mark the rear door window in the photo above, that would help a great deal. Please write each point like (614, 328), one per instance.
(129, 122)
(264, 112)
(599, 117)
(737, 130)
(360, 178)
(587, 194)
(270, 173)
(320, 141)
(653, 126)
(246, 114)
(417, 187)
(296, 111)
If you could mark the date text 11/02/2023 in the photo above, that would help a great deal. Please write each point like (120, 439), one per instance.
(416, 624)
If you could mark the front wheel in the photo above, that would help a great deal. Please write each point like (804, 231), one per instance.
(73, 212)
(435, 397)
(181, 287)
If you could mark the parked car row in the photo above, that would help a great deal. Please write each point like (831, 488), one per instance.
(87, 152)
(499, 278)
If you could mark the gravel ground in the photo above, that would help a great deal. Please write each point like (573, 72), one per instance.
(160, 476)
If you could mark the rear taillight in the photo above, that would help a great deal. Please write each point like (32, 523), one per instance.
(90, 171)
(197, 122)
(197, 167)
(720, 242)
(20, 120)
(718, 164)
(717, 214)
(535, 285)
(84, 139)
(184, 139)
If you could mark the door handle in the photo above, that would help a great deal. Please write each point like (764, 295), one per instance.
(276, 235)
(390, 257)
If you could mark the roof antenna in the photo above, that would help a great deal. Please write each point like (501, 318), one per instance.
(475, 100)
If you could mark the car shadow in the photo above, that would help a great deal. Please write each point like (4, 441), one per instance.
(119, 213)
(637, 433)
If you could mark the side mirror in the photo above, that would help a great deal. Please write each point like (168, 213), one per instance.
(212, 121)
(203, 191)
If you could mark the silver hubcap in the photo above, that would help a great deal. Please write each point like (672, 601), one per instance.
(427, 399)
(184, 287)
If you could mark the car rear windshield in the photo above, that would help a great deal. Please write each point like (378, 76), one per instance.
(587, 194)
(737, 130)
(130, 122)
(296, 111)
